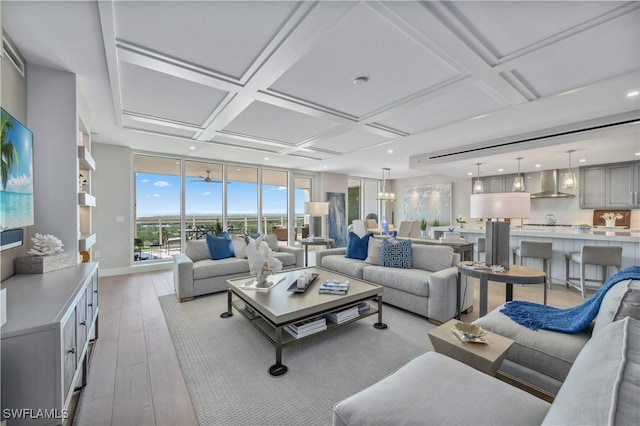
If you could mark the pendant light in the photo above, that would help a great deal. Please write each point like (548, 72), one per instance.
(569, 180)
(478, 186)
(386, 194)
(518, 182)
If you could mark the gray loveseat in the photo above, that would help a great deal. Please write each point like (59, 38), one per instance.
(195, 274)
(542, 359)
(601, 387)
(429, 289)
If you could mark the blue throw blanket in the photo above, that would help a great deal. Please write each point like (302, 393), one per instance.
(572, 320)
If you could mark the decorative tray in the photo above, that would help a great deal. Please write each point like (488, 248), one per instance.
(294, 287)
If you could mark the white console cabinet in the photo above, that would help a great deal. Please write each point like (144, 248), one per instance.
(51, 320)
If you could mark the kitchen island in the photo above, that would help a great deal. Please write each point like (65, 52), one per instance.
(563, 240)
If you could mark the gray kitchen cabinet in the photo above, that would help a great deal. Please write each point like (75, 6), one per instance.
(610, 186)
(45, 342)
(498, 183)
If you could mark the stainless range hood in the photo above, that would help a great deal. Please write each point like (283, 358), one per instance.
(549, 186)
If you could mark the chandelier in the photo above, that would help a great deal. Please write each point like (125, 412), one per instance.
(569, 180)
(478, 185)
(386, 194)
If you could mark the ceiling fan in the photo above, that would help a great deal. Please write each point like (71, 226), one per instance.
(206, 179)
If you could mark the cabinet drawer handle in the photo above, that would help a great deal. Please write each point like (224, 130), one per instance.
(95, 291)
(83, 323)
(72, 351)
(90, 304)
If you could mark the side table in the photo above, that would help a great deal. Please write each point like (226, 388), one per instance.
(306, 242)
(485, 357)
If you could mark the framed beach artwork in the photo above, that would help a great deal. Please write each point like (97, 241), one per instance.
(337, 219)
(16, 189)
(430, 202)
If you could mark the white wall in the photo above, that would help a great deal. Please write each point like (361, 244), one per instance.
(111, 184)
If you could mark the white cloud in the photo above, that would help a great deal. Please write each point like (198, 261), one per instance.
(20, 183)
(144, 181)
(206, 193)
(161, 184)
(282, 188)
(156, 195)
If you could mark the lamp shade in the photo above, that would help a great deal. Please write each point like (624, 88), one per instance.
(500, 204)
(316, 208)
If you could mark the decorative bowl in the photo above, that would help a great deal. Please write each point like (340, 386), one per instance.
(496, 268)
(581, 228)
(470, 331)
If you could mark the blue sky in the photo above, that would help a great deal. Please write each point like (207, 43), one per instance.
(21, 175)
(158, 195)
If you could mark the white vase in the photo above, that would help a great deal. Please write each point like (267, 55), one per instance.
(610, 223)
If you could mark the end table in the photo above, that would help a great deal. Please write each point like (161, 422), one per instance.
(485, 357)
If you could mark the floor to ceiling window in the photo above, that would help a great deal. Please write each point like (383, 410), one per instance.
(157, 207)
(274, 203)
(202, 198)
(242, 199)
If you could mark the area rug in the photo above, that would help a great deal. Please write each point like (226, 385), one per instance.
(225, 363)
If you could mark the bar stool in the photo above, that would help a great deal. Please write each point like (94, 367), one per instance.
(480, 248)
(538, 250)
(603, 256)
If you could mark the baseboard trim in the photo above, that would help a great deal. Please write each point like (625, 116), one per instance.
(135, 269)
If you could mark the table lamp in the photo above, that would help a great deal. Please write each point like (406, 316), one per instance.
(499, 205)
(318, 209)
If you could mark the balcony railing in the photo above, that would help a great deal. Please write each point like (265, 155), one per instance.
(159, 237)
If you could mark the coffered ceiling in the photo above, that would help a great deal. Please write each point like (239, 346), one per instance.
(246, 81)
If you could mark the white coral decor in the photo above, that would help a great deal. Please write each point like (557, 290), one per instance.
(261, 260)
(44, 245)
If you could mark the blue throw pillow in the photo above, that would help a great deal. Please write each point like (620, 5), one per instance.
(357, 247)
(396, 254)
(220, 247)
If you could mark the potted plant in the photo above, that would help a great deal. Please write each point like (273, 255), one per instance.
(435, 223)
(423, 228)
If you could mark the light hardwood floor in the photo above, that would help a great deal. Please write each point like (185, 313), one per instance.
(134, 376)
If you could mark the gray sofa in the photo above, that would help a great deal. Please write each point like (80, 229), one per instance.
(601, 387)
(542, 359)
(429, 289)
(195, 274)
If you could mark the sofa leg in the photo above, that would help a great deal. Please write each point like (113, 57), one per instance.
(434, 322)
(186, 299)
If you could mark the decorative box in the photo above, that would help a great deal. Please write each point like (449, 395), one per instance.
(44, 264)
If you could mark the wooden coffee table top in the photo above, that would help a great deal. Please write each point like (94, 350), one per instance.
(281, 306)
(485, 357)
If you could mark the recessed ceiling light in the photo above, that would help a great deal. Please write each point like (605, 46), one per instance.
(266, 158)
(470, 173)
(390, 151)
(582, 160)
(324, 167)
(632, 94)
(192, 147)
(538, 165)
(501, 170)
(359, 81)
(637, 153)
(177, 162)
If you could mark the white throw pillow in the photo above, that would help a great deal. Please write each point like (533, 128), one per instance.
(373, 251)
(239, 246)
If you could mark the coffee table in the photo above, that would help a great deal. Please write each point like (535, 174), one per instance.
(485, 357)
(271, 311)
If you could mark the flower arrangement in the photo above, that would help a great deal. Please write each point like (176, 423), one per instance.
(423, 225)
(611, 216)
(461, 219)
(44, 245)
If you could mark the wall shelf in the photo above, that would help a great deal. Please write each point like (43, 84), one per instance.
(86, 200)
(86, 241)
(85, 159)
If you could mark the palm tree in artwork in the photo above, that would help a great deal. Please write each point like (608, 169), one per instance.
(8, 152)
